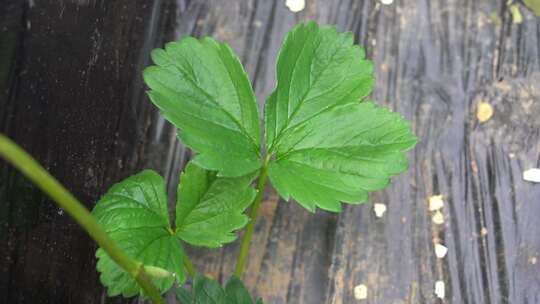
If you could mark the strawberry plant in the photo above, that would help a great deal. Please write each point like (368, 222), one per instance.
(324, 145)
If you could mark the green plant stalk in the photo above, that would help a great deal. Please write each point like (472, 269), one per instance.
(246, 241)
(189, 267)
(37, 174)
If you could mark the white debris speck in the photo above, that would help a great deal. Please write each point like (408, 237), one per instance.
(439, 289)
(379, 209)
(440, 251)
(387, 2)
(295, 6)
(438, 218)
(483, 231)
(360, 292)
(532, 175)
(436, 202)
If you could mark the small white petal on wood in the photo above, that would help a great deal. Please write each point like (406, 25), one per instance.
(379, 209)
(295, 6)
(440, 251)
(436, 202)
(360, 292)
(532, 175)
(439, 289)
(483, 231)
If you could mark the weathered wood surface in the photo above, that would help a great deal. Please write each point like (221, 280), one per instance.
(75, 102)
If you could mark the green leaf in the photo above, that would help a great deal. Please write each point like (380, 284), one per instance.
(317, 68)
(341, 155)
(326, 146)
(236, 292)
(210, 208)
(207, 291)
(201, 88)
(134, 214)
(183, 296)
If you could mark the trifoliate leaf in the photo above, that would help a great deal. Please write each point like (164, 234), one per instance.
(207, 291)
(201, 88)
(210, 208)
(134, 214)
(326, 146)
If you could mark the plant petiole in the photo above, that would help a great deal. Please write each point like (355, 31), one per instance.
(189, 266)
(244, 249)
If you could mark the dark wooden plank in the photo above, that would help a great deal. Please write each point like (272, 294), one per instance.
(73, 100)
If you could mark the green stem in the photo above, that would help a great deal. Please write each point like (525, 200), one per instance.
(189, 267)
(244, 249)
(31, 169)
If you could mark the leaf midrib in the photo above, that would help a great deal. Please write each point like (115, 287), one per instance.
(218, 106)
(292, 149)
(303, 99)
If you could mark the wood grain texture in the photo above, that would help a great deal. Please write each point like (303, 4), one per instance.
(435, 61)
(73, 99)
